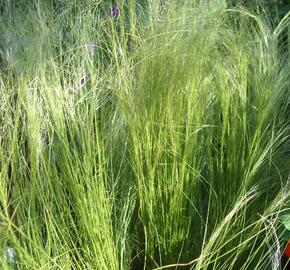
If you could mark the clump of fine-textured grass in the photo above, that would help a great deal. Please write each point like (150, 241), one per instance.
(143, 135)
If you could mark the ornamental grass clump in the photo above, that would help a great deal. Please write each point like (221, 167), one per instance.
(207, 126)
(170, 153)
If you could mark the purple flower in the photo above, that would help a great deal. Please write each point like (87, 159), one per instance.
(115, 11)
(129, 46)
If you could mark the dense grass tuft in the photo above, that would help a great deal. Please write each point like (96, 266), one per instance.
(155, 137)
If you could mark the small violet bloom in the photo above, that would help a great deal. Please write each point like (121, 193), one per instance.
(130, 46)
(115, 11)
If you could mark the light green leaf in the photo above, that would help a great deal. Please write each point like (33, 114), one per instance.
(285, 220)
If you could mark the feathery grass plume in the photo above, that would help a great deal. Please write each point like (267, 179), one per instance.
(175, 156)
(205, 127)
